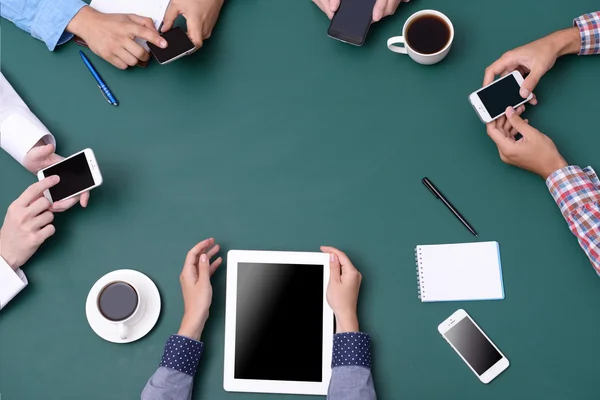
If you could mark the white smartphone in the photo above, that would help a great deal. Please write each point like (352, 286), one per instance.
(473, 346)
(78, 173)
(490, 102)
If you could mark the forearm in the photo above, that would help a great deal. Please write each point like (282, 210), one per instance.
(45, 20)
(20, 129)
(577, 194)
(174, 378)
(11, 281)
(351, 377)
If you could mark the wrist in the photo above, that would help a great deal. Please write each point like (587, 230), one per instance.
(11, 263)
(192, 327)
(346, 323)
(558, 164)
(567, 41)
(81, 20)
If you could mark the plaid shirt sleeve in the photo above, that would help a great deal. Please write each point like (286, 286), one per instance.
(589, 29)
(577, 193)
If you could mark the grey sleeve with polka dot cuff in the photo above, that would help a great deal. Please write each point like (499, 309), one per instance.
(351, 348)
(182, 354)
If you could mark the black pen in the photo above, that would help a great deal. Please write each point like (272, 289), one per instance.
(444, 200)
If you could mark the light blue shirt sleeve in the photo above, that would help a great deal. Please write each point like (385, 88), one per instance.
(45, 20)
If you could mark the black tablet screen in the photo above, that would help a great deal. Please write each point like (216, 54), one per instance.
(279, 322)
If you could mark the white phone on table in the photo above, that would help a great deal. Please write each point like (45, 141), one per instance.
(491, 101)
(473, 346)
(78, 173)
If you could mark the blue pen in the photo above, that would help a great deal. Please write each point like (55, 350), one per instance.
(103, 88)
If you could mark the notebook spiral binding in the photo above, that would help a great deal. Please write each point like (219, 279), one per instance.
(420, 278)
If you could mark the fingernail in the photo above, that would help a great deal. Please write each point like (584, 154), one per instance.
(163, 43)
(203, 258)
(376, 16)
(524, 93)
(510, 111)
(332, 257)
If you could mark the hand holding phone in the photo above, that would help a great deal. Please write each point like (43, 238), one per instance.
(351, 22)
(473, 346)
(491, 101)
(78, 173)
(179, 45)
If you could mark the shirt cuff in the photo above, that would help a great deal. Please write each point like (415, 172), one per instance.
(589, 29)
(20, 131)
(11, 282)
(571, 187)
(52, 20)
(351, 348)
(182, 354)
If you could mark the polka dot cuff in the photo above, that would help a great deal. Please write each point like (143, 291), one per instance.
(351, 348)
(182, 354)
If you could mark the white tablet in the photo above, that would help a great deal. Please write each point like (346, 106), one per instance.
(278, 325)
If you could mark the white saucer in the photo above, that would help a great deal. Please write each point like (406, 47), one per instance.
(148, 291)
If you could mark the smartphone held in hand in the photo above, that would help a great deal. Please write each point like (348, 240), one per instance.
(351, 22)
(490, 102)
(178, 45)
(78, 173)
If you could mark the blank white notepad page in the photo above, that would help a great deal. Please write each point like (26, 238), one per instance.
(469, 271)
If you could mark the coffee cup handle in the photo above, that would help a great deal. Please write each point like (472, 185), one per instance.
(123, 331)
(397, 40)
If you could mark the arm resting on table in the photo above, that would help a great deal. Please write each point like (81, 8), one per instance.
(20, 130)
(351, 368)
(577, 193)
(11, 282)
(174, 378)
(45, 20)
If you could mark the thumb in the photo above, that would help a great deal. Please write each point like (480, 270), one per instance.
(379, 9)
(334, 5)
(41, 152)
(170, 16)
(517, 122)
(530, 83)
(204, 267)
(335, 270)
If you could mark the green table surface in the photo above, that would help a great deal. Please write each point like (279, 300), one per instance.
(274, 136)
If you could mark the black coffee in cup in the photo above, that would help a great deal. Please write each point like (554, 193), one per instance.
(428, 34)
(117, 301)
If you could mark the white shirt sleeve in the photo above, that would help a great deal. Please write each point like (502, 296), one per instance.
(20, 130)
(11, 282)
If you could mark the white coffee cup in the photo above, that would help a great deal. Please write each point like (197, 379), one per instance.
(110, 310)
(426, 59)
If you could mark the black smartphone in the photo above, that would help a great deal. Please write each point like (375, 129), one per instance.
(179, 45)
(351, 22)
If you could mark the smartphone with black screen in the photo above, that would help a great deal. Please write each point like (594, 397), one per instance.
(179, 45)
(351, 22)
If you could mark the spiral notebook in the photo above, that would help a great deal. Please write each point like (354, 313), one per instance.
(455, 272)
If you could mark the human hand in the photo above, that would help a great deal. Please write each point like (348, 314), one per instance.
(27, 224)
(535, 59)
(534, 152)
(111, 36)
(42, 156)
(342, 290)
(382, 8)
(196, 287)
(200, 16)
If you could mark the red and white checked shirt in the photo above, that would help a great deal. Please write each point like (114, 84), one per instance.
(576, 190)
(589, 29)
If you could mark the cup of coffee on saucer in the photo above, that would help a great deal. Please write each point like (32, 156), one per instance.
(123, 306)
(426, 37)
(120, 303)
